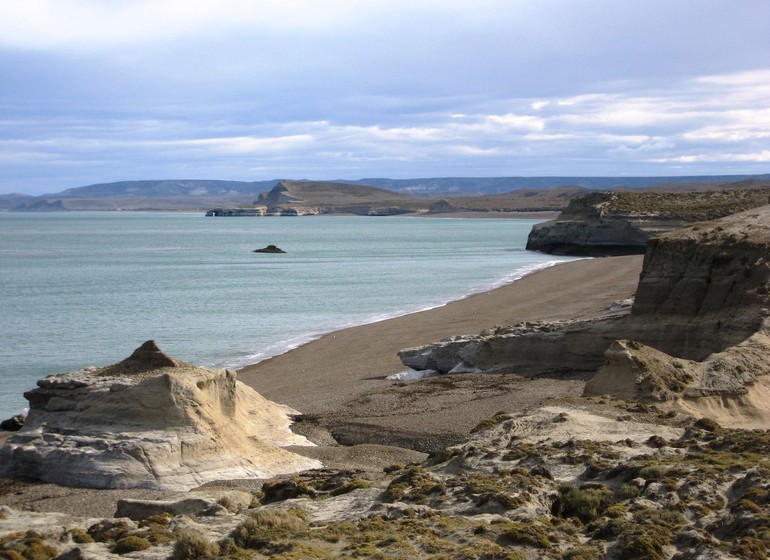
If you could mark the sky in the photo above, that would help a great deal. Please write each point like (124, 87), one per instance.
(94, 91)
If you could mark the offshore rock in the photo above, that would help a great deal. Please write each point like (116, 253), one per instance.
(150, 421)
(269, 249)
(620, 223)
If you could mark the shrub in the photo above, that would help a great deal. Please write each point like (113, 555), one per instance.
(191, 545)
(526, 533)
(280, 490)
(110, 530)
(80, 536)
(130, 544)
(627, 492)
(265, 527)
(646, 545)
(584, 503)
(29, 545)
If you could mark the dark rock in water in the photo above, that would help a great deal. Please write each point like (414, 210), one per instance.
(13, 424)
(269, 249)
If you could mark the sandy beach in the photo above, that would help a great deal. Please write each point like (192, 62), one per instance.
(339, 384)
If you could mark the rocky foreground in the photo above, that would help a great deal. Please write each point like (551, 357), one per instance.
(649, 465)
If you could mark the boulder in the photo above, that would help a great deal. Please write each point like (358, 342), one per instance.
(151, 421)
(193, 505)
(14, 423)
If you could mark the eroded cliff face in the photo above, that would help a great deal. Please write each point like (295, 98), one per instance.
(698, 328)
(150, 422)
(620, 223)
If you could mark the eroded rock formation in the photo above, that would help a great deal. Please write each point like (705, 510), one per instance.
(697, 334)
(620, 223)
(150, 421)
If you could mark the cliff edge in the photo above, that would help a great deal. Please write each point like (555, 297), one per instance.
(621, 222)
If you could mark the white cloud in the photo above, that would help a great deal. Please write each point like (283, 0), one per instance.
(756, 157)
(247, 144)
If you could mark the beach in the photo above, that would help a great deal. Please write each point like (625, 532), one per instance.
(338, 382)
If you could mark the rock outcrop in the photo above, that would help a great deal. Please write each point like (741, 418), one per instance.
(150, 421)
(697, 334)
(620, 223)
(269, 249)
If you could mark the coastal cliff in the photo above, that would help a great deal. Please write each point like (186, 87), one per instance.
(621, 222)
(699, 320)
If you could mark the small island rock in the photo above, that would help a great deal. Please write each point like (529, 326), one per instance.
(269, 249)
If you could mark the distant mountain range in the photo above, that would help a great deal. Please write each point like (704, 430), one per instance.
(509, 192)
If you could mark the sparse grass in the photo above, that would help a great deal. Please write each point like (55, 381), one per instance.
(584, 503)
(191, 545)
(269, 529)
(530, 534)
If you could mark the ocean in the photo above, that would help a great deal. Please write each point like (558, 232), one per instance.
(86, 288)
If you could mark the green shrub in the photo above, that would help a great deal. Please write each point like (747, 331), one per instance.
(191, 545)
(531, 534)
(130, 544)
(266, 527)
(646, 545)
(109, 530)
(584, 503)
(80, 536)
(627, 492)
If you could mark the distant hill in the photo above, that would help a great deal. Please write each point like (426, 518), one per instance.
(166, 188)
(472, 186)
(459, 193)
(8, 201)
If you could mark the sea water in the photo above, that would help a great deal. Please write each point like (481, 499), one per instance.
(86, 288)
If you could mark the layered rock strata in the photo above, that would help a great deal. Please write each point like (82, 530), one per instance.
(697, 330)
(150, 422)
(620, 223)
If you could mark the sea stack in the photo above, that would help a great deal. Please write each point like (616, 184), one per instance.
(151, 421)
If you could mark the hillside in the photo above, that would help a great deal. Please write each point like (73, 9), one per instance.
(299, 198)
(464, 194)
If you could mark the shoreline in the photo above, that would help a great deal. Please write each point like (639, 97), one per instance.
(289, 345)
(338, 381)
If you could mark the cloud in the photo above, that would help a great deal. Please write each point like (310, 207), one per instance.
(354, 88)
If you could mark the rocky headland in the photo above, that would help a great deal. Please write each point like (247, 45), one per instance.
(621, 222)
(696, 334)
(654, 462)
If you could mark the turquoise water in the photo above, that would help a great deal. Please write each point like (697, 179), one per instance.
(86, 288)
